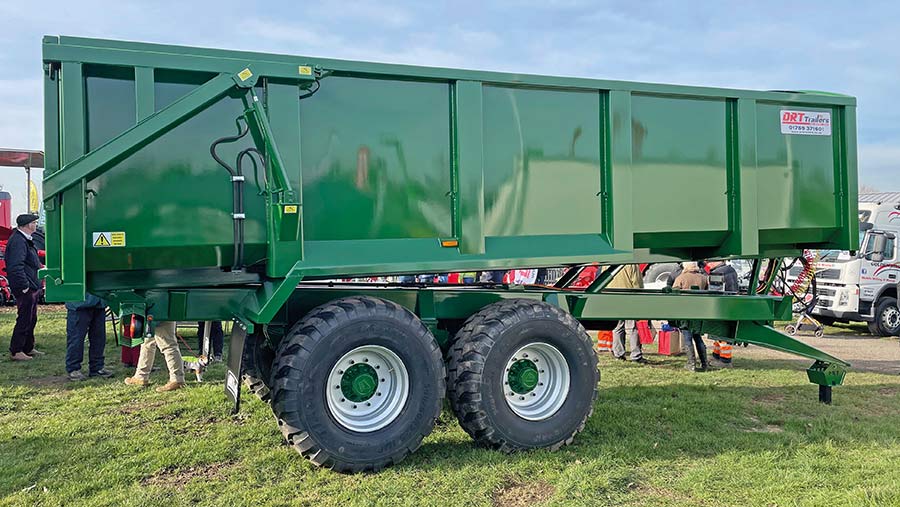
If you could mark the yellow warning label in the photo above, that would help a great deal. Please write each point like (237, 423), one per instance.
(108, 239)
(117, 238)
(290, 209)
(305, 70)
(245, 74)
(102, 240)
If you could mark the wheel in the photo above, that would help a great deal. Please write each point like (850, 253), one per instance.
(819, 333)
(660, 272)
(790, 329)
(873, 328)
(256, 366)
(887, 317)
(522, 375)
(357, 384)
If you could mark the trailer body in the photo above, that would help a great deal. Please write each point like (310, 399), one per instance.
(350, 168)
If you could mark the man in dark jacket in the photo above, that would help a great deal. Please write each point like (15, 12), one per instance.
(722, 278)
(86, 317)
(22, 264)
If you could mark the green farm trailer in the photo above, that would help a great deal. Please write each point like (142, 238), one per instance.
(200, 184)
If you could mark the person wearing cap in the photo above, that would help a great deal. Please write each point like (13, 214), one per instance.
(22, 264)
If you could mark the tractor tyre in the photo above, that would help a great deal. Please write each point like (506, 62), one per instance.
(256, 366)
(522, 375)
(358, 383)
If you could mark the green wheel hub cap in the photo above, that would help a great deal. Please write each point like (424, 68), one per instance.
(523, 376)
(359, 382)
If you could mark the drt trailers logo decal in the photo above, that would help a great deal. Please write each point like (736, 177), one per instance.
(893, 215)
(806, 123)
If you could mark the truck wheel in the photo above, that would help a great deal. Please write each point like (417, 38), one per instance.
(257, 367)
(887, 317)
(873, 328)
(660, 272)
(357, 384)
(522, 375)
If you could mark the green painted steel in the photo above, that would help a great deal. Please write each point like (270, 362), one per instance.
(523, 376)
(380, 169)
(388, 160)
(359, 382)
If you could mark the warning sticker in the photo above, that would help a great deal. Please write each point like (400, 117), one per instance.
(108, 239)
(289, 209)
(807, 123)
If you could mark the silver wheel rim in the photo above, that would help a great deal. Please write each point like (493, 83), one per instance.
(552, 389)
(386, 402)
(891, 317)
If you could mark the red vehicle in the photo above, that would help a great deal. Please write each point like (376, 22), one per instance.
(6, 296)
(27, 160)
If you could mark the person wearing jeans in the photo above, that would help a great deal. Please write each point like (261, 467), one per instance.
(87, 317)
(166, 341)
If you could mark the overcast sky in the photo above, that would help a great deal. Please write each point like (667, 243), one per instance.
(845, 47)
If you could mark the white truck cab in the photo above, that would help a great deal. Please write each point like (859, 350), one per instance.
(863, 288)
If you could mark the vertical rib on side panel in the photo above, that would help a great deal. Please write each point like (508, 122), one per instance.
(72, 206)
(469, 165)
(620, 170)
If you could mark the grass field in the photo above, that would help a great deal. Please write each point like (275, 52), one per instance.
(660, 436)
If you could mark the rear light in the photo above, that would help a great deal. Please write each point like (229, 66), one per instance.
(132, 326)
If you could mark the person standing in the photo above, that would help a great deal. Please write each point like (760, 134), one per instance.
(22, 264)
(692, 278)
(87, 317)
(216, 339)
(726, 280)
(165, 339)
(629, 277)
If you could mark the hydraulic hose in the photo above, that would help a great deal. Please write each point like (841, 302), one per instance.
(237, 192)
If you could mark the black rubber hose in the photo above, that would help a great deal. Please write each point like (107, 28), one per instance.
(239, 196)
(237, 199)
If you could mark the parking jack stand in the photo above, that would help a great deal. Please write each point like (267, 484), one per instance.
(826, 375)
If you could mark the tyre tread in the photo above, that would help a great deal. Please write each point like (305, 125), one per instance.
(467, 358)
(296, 348)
